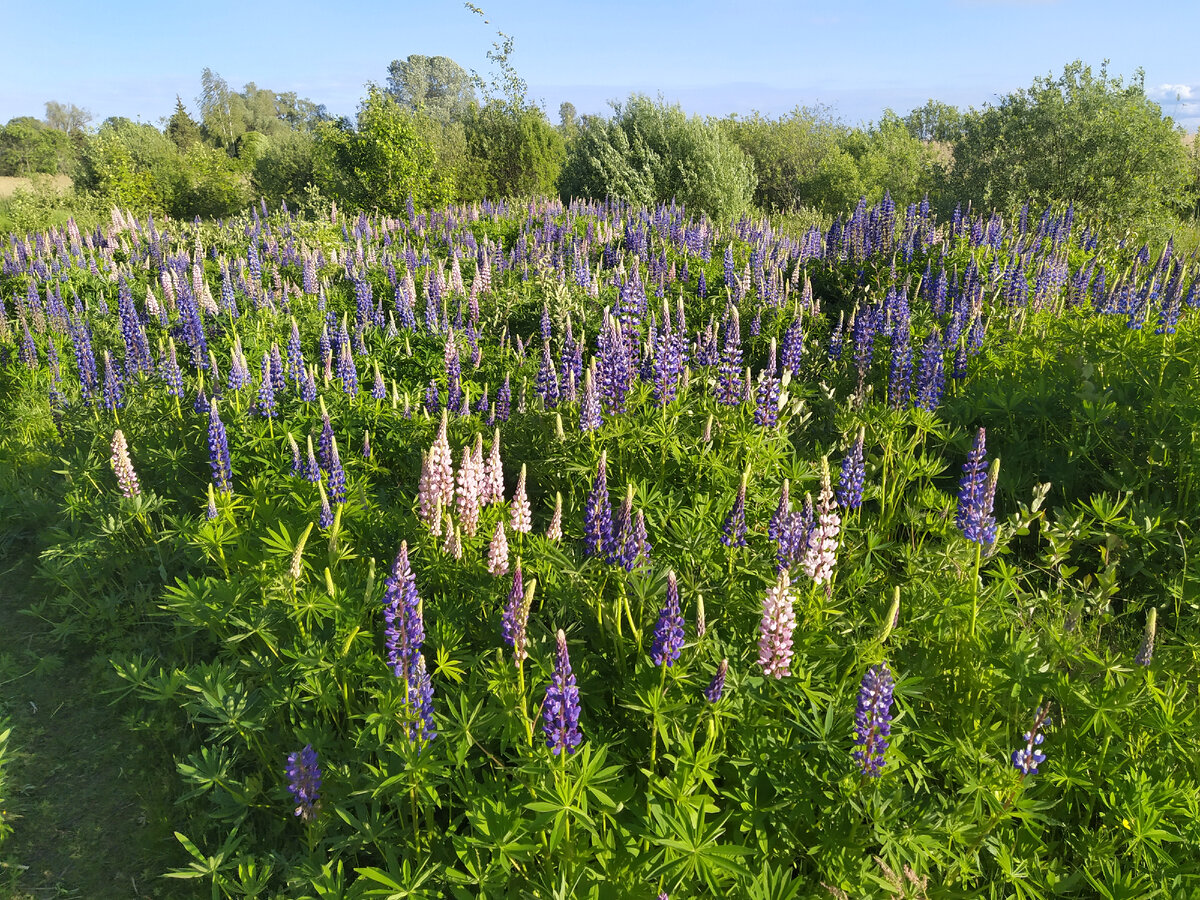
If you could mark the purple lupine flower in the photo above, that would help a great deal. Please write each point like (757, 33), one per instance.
(729, 371)
(597, 523)
(931, 376)
(873, 719)
(716, 687)
(325, 518)
(404, 630)
(590, 417)
(547, 379)
(510, 618)
(974, 516)
(312, 472)
(668, 632)
(308, 390)
(266, 390)
(766, 413)
(775, 629)
(337, 476)
(733, 530)
(792, 349)
(347, 371)
(278, 378)
(420, 693)
(504, 400)
(634, 545)
(218, 451)
(304, 782)
(325, 439)
(850, 482)
(836, 338)
(114, 392)
(171, 373)
(378, 388)
(1028, 758)
(560, 711)
(122, 466)
(614, 367)
(295, 355)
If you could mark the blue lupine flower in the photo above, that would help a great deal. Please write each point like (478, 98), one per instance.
(716, 687)
(1028, 758)
(597, 523)
(850, 483)
(304, 782)
(114, 392)
(729, 370)
(266, 390)
(873, 719)
(931, 377)
(560, 711)
(668, 632)
(337, 476)
(975, 494)
(733, 530)
(218, 451)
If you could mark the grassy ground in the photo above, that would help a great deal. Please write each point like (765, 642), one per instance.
(83, 794)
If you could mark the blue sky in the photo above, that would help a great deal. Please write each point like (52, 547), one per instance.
(132, 57)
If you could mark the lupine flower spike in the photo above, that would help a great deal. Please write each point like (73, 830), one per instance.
(821, 554)
(975, 497)
(1028, 758)
(775, 630)
(522, 515)
(498, 552)
(733, 531)
(304, 782)
(554, 530)
(873, 719)
(560, 712)
(850, 484)
(668, 632)
(716, 687)
(122, 466)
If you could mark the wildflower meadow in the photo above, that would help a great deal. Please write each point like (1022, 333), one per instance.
(534, 549)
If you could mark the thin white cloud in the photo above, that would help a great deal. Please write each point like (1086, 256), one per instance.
(1173, 91)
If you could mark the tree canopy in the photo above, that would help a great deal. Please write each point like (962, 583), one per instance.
(1083, 137)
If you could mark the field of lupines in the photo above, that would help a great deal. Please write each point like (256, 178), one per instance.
(529, 550)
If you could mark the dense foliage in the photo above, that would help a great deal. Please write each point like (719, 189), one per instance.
(603, 550)
(652, 152)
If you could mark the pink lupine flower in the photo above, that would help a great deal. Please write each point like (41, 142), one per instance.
(493, 478)
(498, 552)
(469, 483)
(554, 531)
(821, 554)
(775, 630)
(522, 515)
(441, 467)
(123, 466)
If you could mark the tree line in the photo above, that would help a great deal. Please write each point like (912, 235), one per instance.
(433, 133)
